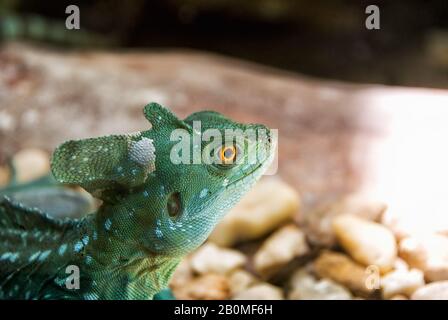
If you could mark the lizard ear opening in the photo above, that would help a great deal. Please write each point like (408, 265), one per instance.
(105, 163)
(161, 117)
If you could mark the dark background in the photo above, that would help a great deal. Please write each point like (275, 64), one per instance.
(315, 37)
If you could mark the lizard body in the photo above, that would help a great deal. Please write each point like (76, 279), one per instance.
(153, 211)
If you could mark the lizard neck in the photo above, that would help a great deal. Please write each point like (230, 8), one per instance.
(122, 267)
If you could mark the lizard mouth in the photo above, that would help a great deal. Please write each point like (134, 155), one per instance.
(263, 164)
(244, 177)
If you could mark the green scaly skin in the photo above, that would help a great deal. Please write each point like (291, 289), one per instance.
(154, 212)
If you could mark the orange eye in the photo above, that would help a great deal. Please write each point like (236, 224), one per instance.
(228, 154)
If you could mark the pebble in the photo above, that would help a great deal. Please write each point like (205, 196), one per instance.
(279, 249)
(212, 259)
(205, 287)
(367, 242)
(267, 206)
(306, 287)
(401, 282)
(261, 291)
(433, 291)
(318, 224)
(31, 164)
(400, 264)
(427, 252)
(399, 297)
(241, 280)
(343, 270)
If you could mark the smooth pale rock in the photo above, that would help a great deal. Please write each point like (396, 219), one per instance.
(399, 297)
(280, 248)
(206, 287)
(31, 164)
(428, 253)
(4, 176)
(240, 280)
(261, 291)
(341, 269)
(212, 259)
(433, 291)
(268, 205)
(183, 274)
(306, 287)
(400, 264)
(301, 277)
(319, 223)
(401, 282)
(369, 243)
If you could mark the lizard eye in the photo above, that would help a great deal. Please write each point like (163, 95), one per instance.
(228, 154)
(174, 205)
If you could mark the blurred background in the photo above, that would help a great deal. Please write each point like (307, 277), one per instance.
(319, 38)
(357, 208)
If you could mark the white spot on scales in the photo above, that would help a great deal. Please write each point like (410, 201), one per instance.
(203, 193)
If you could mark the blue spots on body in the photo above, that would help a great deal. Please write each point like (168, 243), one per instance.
(107, 224)
(85, 239)
(12, 257)
(44, 255)
(34, 256)
(203, 193)
(5, 256)
(159, 233)
(60, 281)
(146, 193)
(78, 246)
(62, 249)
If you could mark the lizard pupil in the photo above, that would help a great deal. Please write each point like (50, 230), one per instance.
(174, 204)
(228, 154)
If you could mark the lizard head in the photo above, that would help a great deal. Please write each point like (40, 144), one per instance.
(167, 187)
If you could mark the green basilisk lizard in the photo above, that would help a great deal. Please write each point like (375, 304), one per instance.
(154, 209)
